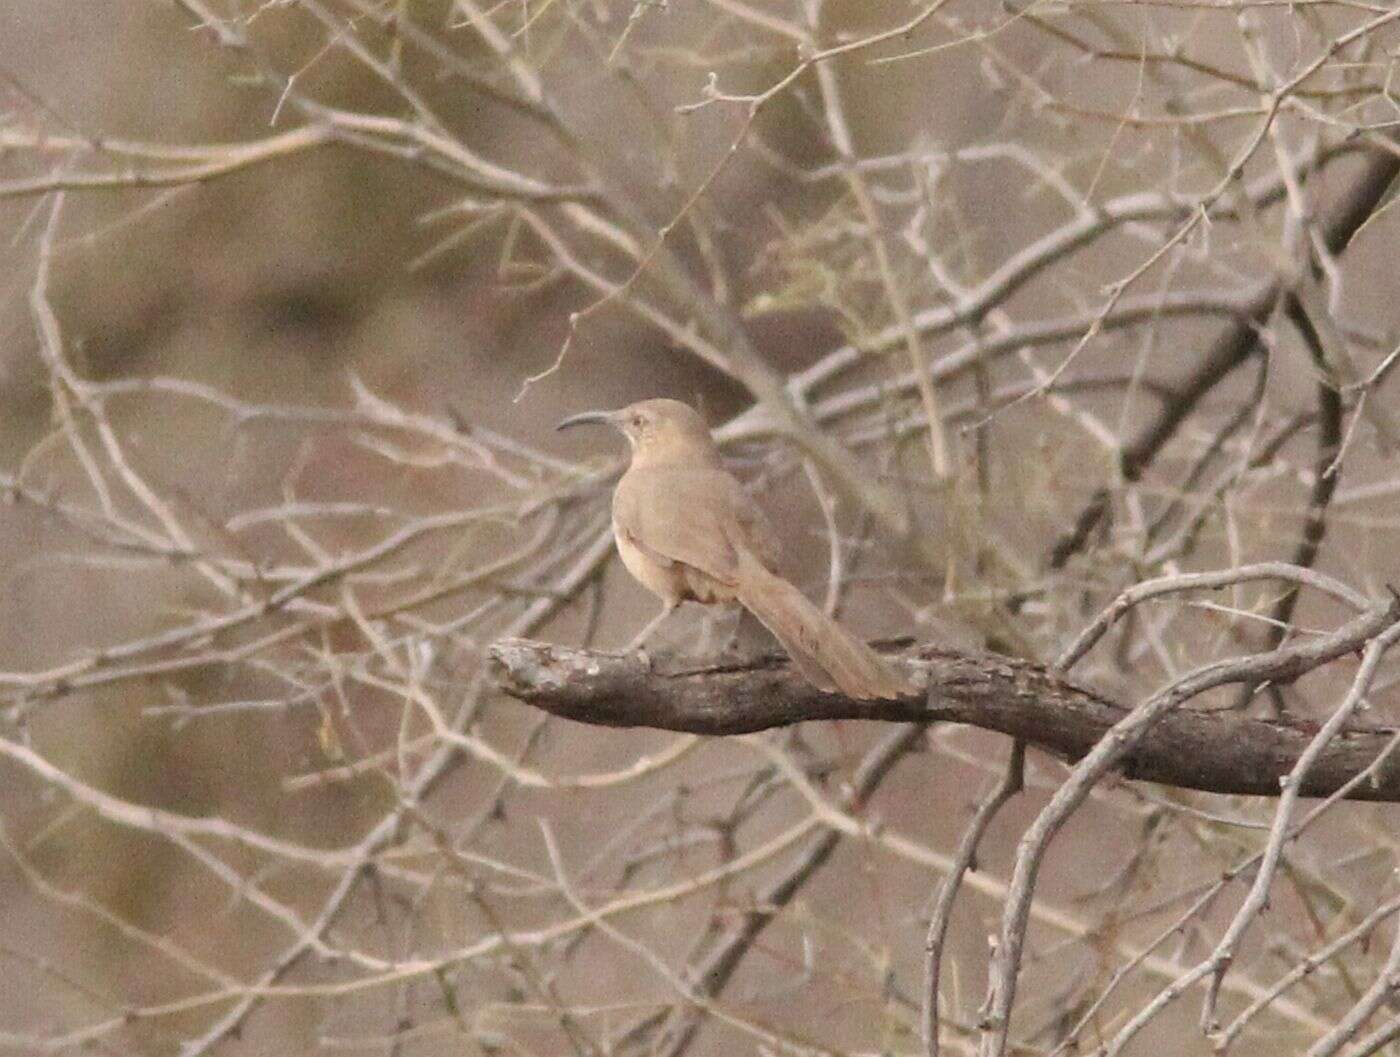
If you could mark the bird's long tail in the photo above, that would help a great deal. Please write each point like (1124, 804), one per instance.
(824, 652)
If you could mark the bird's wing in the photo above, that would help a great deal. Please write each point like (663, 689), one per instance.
(759, 535)
(689, 515)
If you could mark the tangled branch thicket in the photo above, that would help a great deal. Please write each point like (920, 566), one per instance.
(1058, 337)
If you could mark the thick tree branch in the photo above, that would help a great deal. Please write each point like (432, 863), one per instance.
(1217, 752)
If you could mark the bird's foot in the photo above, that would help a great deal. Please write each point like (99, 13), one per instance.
(671, 663)
(740, 654)
(749, 644)
(666, 662)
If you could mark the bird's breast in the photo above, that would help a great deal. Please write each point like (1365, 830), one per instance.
(662, 578)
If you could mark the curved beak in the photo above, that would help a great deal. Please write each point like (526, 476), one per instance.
(607, 418)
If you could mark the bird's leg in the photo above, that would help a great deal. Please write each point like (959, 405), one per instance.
(669, 661)
(718, 630)
(647, 632)
(714, 619)
(733, 642)
(749, 640)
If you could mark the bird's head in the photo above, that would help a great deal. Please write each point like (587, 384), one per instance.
(658, 430)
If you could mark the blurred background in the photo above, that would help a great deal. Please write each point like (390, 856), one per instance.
(294, 293)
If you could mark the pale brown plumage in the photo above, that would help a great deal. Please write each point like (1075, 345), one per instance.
(686, 530)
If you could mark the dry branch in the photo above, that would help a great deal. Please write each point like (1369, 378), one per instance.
(1217, 752)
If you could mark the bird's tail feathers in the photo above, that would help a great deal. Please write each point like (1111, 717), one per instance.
(824, 652)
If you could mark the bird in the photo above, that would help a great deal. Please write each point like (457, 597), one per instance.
(686, 530)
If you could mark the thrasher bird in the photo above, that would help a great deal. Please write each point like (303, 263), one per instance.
(686, 529)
